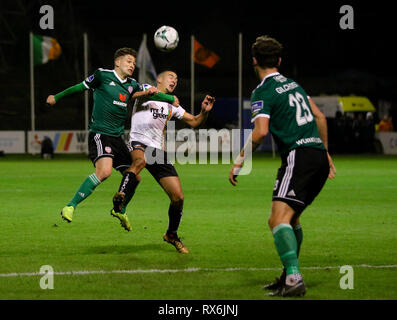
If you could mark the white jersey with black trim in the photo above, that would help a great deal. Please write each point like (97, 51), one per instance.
(149, 121)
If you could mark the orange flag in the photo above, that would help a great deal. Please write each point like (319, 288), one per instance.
(204, 56)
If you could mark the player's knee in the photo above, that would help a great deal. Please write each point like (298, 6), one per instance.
(139, 163)
(103, 174)
(274, 220)
(177, 199)
(270, 222)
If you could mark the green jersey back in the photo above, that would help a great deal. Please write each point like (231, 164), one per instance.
(111, 95)
(286, 104)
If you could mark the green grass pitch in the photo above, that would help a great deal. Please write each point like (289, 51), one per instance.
(352, 222)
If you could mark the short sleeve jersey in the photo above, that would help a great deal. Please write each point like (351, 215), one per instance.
(149, 120)
(111, 95)
(291, 119)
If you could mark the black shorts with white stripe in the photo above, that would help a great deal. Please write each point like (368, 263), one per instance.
(301, 177)
(157, 162)
(101, 145)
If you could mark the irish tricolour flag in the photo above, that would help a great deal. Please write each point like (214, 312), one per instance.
(45, 49)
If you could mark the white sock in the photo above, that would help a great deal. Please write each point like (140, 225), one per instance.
(293, 279)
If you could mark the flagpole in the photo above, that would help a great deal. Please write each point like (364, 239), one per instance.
(86, 116)
(240, 81)
(144, 60)
(192, 74)
(31, 62)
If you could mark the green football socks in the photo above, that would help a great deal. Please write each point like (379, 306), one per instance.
(287, 247)
(86, 188)
(299, 237)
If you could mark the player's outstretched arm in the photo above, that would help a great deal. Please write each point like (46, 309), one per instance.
(206, 107)
(321, 122)
(332, 169)
(52, 99)
(148, 92)
(156, 95)
(261, 129)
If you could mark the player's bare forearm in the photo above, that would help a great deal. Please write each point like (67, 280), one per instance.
(322, 129)
(155, 95)
(321, 122)
(148, 92)
(199, 119)
(139, 94)
(255, 139)
(206, 106)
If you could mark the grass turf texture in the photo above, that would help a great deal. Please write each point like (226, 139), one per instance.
(352, 222)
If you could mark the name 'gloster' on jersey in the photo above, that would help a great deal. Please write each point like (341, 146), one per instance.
(286, 103)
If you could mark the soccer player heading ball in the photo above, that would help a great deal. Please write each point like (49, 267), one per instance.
(112, 91)
(281, 106)
(148, 129)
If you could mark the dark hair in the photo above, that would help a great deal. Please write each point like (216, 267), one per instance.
(124, 51)
(267, 51)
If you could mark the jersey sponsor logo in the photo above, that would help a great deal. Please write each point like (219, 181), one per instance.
(287, 87)
(157, 114)
(122, 104)
(308, 140)
(123, 97)
(90, 78)
(256, 106)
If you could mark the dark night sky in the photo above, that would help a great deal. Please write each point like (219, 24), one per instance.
(321, 56)
(309, 31)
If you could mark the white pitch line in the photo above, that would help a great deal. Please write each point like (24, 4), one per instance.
(88, 272)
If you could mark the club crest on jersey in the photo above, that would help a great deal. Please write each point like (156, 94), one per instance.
(256, 106)
(108, 149)
(130, 89)
(122, 97)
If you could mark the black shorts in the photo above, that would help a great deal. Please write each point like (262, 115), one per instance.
(301, 177)
(156, 161)
(101, 145)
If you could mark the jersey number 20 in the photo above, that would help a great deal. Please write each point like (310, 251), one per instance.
(303, 113)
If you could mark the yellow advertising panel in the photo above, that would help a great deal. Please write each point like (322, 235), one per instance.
(353, 103)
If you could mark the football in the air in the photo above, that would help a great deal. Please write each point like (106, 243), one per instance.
(166, 38)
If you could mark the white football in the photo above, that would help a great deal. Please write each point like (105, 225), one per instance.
(166, 38)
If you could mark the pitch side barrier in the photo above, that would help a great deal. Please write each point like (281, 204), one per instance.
(184, 146)
(193, 146)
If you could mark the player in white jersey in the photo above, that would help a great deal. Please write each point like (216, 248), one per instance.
(148, 128)
(149, 121)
